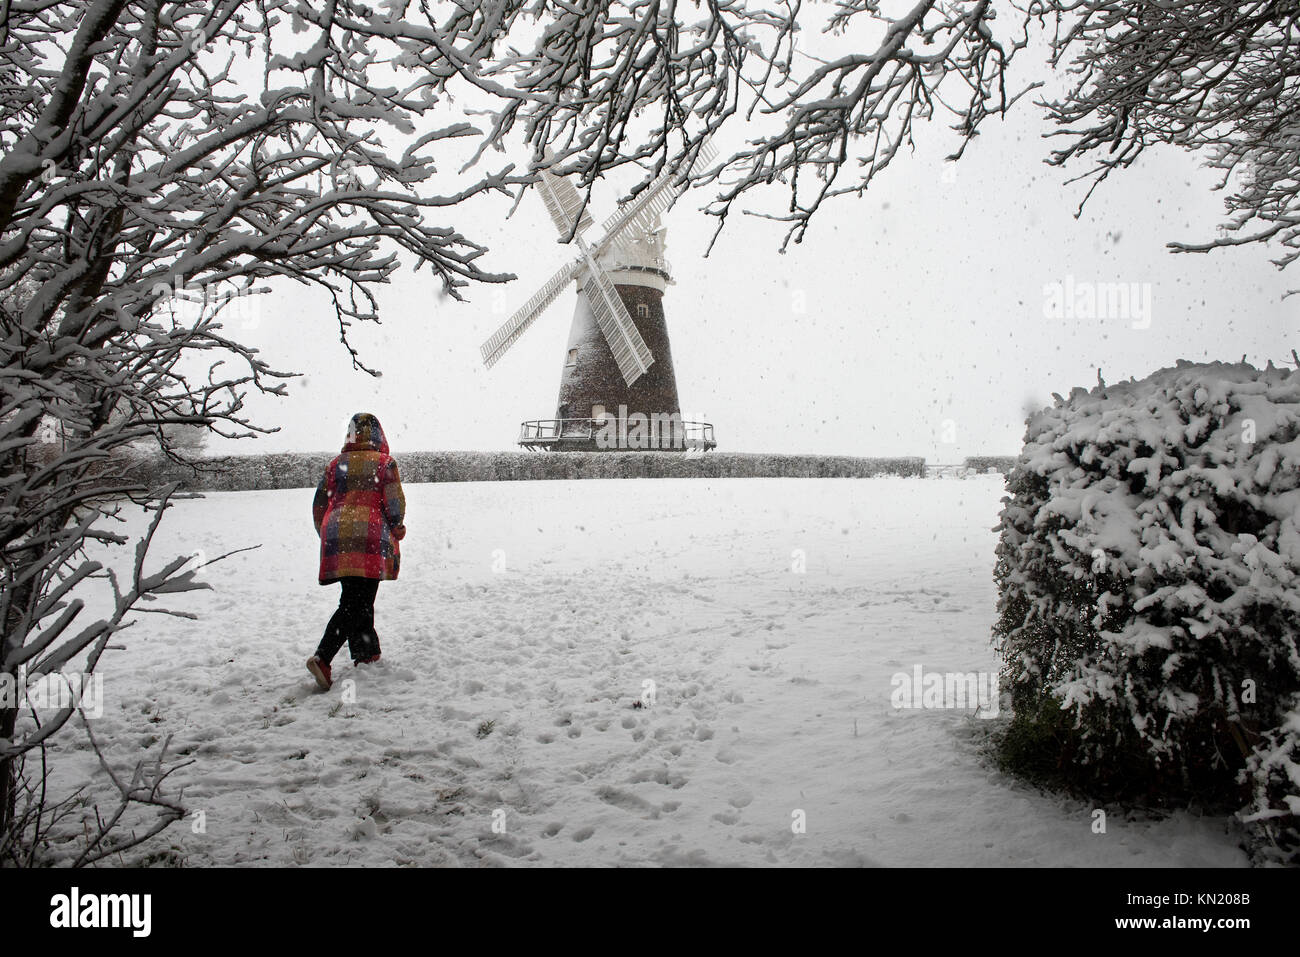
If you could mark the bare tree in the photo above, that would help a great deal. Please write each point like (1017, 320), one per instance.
(1219, 79)
(643, 83)
(137, 161)
(637, 81)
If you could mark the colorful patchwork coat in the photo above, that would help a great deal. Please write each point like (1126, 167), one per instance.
(359, 507)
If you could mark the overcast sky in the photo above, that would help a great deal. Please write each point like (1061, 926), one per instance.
(916, 320)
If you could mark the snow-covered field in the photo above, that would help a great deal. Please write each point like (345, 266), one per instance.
(770, 615)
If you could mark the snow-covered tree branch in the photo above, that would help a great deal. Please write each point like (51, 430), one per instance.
(1219, 79)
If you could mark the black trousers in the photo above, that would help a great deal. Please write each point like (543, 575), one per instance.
(353, 622)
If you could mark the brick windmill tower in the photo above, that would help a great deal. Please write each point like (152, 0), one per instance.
(618, 390)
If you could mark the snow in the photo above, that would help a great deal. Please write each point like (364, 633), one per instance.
(544, 608)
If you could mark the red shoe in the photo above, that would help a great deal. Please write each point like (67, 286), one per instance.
(320, 671)
(367, 661)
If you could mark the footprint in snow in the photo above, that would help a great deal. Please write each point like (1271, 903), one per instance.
(505, 844)
(627, 801)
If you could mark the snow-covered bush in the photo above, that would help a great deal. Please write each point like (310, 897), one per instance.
(1274, 772)
(1149, 589)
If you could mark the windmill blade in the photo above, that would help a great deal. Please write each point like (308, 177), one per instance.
(495, 346)
(654, 200)
(564, 203)
(616, 325)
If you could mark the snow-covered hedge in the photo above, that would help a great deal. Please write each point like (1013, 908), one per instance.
(303, 469)
(998, 463)
(1149, 590)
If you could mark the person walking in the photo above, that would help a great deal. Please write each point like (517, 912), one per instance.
(359, 509)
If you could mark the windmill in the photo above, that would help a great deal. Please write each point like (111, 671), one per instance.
(617, 387)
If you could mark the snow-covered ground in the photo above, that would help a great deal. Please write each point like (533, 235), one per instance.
(770, 615)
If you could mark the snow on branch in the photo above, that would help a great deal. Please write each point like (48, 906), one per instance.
(1222, 80)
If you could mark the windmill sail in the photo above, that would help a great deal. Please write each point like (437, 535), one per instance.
(564, 203)
(501, 340)
(630, 350)
(641, 213)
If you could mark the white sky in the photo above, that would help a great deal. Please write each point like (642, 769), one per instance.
(909, 322)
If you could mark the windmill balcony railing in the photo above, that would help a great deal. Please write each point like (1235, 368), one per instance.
(615, 435)
(639, 263)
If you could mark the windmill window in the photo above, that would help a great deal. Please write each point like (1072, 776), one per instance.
(598, 412)
(642, 310)
(573, 357)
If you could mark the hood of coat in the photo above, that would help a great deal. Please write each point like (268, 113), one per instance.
(365, 434)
